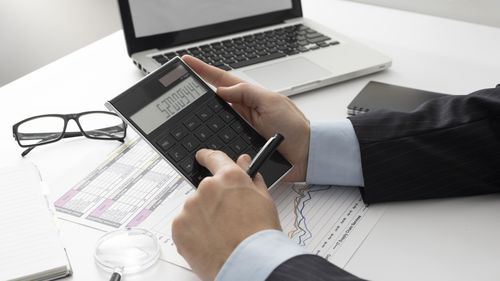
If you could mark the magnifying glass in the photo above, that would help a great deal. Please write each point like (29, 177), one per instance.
(126, 251)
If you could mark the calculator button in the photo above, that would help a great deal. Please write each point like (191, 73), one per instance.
(226, 115)
(190, 143)
(203, 133)
(214, 105)
(248, 137)
(258, 145)
(165, 143)
(215, 123)
(204, 113)
(179, 132)
(233, 155)
(237, 126)
(227, 134)
(200, 175)
(177, 153)
(214, 143)
(198, 178)
(188, 164)
(192, 123)
(250, 151)
(238, 145)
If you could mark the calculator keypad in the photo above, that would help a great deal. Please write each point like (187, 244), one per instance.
(178, 114)
(213, 126)
(192, 123)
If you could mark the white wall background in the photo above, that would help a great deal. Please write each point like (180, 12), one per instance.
(34, 33)
(485, 12)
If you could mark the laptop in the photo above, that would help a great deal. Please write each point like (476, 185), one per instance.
(264, 42)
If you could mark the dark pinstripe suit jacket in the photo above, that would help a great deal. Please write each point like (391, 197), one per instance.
(449, 146)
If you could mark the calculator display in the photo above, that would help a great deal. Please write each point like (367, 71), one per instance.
(167, 105)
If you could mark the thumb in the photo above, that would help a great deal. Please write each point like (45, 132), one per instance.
(244, 162)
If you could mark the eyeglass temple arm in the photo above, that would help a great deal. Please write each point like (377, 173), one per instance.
(48, 135)
(107, 131)
(45, 136)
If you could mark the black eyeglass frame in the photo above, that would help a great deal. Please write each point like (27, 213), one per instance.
(63, 133)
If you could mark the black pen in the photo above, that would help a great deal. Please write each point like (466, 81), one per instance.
(264, 153)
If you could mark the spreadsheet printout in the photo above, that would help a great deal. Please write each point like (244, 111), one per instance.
(135, 187)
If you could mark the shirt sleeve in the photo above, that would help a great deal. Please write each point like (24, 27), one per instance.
(334, 159)
(334, 155)
(255, 258)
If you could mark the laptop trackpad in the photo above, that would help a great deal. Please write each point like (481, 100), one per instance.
(287, 74)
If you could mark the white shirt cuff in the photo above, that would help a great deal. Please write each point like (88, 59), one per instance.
(334, 155)
(258, 255)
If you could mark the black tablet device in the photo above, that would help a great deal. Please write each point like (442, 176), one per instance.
(177, 113)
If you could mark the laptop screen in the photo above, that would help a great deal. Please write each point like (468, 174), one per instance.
(159, 24)
(155, 17)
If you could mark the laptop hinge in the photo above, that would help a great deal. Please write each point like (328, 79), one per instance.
(298, 19)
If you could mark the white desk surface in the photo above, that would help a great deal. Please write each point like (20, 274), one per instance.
(453, 239)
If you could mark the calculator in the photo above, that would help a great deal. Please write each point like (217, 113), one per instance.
(177, 114)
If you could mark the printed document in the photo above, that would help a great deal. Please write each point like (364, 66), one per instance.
(135, 187)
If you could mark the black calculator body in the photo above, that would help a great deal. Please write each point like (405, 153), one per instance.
(177, 113)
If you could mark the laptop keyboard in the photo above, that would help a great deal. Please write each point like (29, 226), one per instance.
(256, 48)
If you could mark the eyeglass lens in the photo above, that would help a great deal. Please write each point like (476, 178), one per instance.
(40, 130)
(102, 126)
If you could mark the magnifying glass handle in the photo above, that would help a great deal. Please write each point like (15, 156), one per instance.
(116, 276)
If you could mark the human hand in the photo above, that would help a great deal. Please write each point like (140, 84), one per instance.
(227, 208)
(267, 111)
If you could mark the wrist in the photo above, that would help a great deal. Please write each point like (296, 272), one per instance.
(304, 152)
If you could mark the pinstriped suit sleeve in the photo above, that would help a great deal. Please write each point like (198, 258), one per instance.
(310, 268)
(449, 146)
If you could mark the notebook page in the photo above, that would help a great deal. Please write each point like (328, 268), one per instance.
(29, 242)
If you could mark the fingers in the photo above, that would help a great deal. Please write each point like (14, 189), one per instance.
(246, 94)
(244, 162)
(213, 160)
(213, 75)
(259, 182)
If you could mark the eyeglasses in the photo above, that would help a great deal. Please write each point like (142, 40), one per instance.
(49, 128)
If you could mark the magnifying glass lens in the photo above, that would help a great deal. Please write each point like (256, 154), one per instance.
(127, 250)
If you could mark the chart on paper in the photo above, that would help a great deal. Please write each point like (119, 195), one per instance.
(135, 187)
(330, 221)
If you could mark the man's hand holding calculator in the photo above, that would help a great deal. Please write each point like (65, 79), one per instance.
(230, 206)
(268, 112)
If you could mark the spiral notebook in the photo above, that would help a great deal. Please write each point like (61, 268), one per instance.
(377, 95)
(30, 247)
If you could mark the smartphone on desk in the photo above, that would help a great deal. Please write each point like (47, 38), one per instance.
(177, 114)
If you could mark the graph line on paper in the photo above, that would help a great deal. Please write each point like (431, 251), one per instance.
(135, 187)
(300, 229)
(321, 218)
